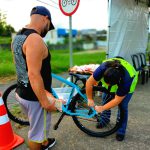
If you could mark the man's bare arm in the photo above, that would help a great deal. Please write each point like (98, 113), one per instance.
(35, 51)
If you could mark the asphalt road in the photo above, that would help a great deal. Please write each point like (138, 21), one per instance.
(69, 137)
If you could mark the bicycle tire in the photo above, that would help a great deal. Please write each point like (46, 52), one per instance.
(14, 110)
(64, 3)
(73, 2)
(93, 131)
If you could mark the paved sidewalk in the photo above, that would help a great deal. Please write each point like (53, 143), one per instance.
(69, 137)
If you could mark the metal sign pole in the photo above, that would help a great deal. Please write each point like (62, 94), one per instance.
(68, 8)
(70, 41)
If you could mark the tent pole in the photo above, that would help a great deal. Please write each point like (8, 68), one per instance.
(108, 32)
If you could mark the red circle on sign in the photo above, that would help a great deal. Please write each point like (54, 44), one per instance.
(66, 13)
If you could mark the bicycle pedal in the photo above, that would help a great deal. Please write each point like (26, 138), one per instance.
(90, 112)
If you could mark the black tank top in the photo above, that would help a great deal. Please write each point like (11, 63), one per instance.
(24, 89)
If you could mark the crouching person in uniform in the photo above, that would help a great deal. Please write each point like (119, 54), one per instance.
(119, 77)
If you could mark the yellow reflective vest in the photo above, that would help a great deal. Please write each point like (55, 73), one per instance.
(132, 72)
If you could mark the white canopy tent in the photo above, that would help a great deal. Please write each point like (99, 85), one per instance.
(128, 28)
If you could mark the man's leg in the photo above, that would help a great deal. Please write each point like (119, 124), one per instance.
(49, 143)
(34, 146)
(39, 125)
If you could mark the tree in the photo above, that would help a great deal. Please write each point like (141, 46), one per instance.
(5, 29)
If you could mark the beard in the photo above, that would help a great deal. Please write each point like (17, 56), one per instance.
(44, 32)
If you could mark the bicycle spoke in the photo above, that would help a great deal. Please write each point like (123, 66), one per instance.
(92, 120)
(102, 124)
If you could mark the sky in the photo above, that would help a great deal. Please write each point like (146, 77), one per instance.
(91, 14)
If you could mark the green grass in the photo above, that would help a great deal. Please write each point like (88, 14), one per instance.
(5, 40)
(60, 61)
(7, 67)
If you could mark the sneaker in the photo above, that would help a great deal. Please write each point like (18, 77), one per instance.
(51, 143)
(120, 137)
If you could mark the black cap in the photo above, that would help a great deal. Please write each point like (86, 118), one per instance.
(41, 10)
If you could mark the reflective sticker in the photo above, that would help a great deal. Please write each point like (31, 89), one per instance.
(1, 101)
(4, 119)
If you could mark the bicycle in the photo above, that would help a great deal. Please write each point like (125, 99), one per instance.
(67, 2)
(85, 117)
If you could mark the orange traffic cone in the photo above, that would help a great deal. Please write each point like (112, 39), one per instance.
(8, 140)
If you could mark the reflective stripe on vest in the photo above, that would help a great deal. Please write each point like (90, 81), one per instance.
(132, 72)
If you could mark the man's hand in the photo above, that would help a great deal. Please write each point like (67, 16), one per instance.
(58, 104)
(99, 109)
(91, 103)
(49, 106)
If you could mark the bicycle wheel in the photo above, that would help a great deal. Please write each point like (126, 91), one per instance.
(108, 121)
(73, 2)
(64, 3)
(13, 107)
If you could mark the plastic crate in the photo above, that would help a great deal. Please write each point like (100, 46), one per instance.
(64, 92)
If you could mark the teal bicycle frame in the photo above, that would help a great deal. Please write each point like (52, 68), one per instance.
(65, 108)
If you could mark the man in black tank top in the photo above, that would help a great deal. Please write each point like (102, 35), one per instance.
(32, 60)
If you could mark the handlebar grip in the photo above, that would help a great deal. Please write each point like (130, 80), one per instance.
(79, 76)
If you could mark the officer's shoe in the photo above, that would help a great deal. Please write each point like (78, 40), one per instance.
(120, 137)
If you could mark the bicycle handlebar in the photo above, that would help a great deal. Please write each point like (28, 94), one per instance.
(101, 89)
(83, 78)
(80, 77)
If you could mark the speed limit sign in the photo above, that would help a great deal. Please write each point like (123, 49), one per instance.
(68, 7)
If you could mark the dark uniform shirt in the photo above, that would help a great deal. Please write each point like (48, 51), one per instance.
(124, 84)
